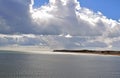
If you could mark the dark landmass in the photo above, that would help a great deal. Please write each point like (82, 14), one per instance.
(105, 52)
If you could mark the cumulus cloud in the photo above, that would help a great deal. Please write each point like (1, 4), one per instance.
(55, 18)
(58, 24)
(66, 16)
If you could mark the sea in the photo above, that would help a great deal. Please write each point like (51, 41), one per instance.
(15, 64)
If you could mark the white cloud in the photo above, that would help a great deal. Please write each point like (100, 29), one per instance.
(60, 42)
(55, 18)
(66, 16)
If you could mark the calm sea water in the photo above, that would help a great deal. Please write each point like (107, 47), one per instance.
(21, 65)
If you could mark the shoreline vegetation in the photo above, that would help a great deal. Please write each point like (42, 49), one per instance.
(102, 52)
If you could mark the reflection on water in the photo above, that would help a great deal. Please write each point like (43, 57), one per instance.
(18, 65)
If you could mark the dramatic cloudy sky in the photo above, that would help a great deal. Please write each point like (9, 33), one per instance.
(68, 24)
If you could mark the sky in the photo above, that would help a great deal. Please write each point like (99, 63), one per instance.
(109, 8)
(62, 24)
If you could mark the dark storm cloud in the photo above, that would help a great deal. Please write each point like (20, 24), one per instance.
(16, 16)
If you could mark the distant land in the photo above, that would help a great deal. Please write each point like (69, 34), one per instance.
(104, 52)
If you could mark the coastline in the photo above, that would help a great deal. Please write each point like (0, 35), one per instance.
(38, 50)
(100, 52)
